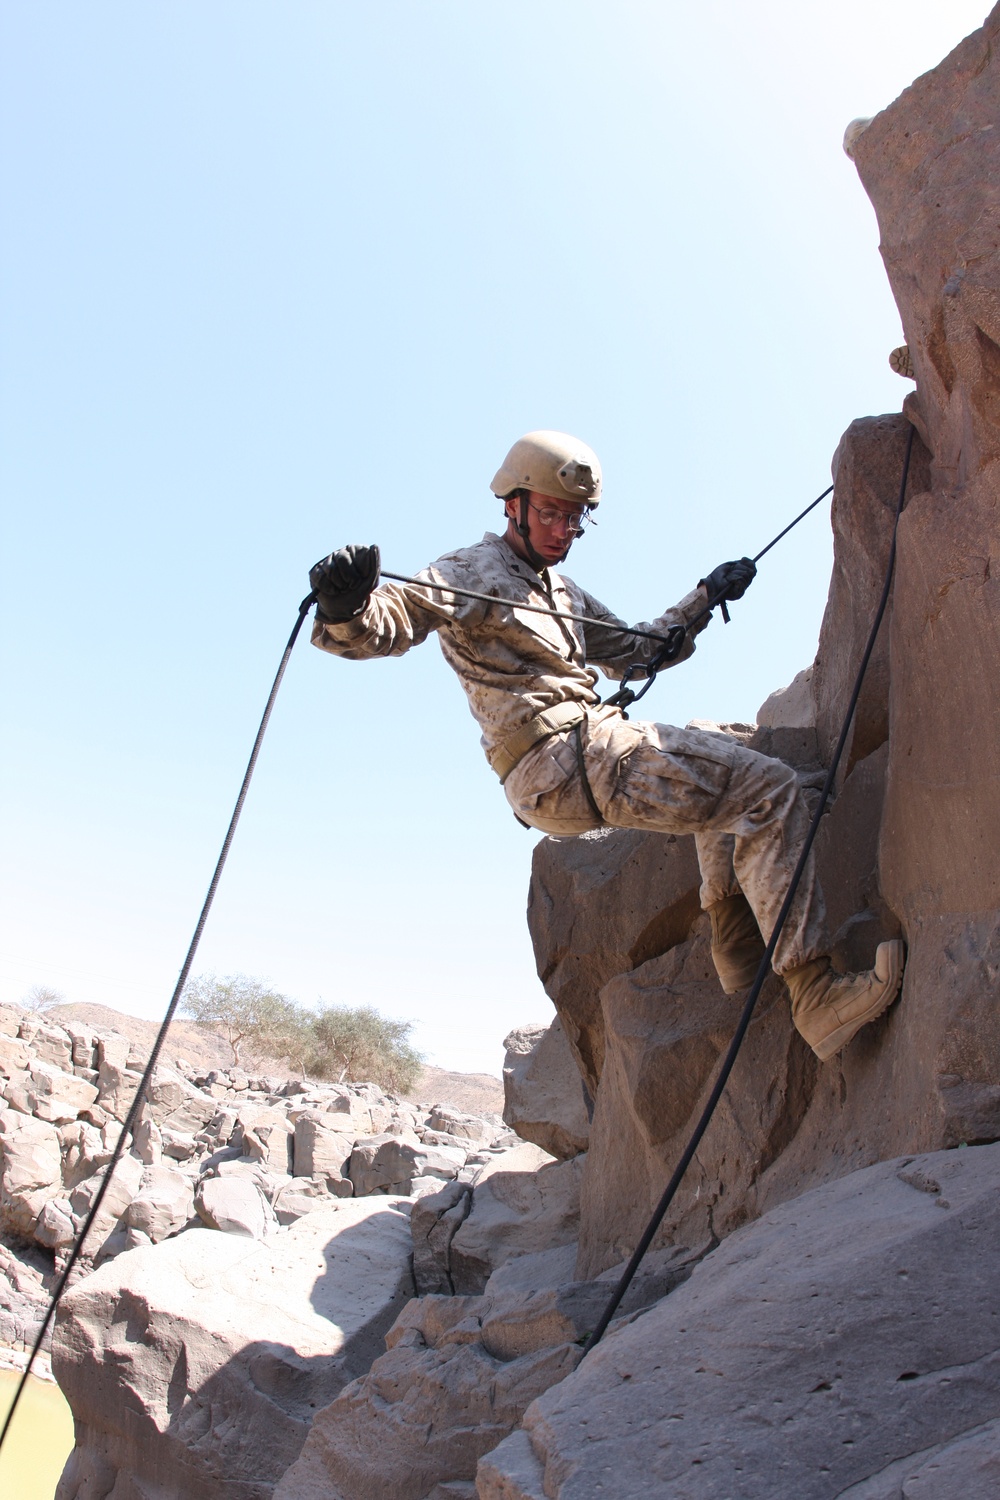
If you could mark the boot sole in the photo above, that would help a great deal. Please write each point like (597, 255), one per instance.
(890, 957)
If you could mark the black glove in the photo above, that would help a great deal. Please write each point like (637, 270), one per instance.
(344, 581)
(730, 580)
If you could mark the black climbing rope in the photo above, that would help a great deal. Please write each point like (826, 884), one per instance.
(672, 647)
(687, 1155)
(161, 1035)
(671, 643)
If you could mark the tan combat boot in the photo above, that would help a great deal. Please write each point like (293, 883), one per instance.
(829, 1008)
(737, 946)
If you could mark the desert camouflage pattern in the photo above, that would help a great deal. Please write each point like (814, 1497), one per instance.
(746, 811)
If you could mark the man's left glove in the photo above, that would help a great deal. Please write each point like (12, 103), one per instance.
(344, 582)
(730, 580)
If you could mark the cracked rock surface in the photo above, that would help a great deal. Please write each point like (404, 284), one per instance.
(845, 1344)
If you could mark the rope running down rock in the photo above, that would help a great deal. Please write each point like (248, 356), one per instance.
(670, 1190)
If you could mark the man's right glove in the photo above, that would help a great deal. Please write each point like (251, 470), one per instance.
(730, 580)
(344, 582)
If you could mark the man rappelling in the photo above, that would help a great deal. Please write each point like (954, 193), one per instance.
(569, 764)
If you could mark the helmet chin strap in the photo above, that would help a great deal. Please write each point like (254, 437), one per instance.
(536, 560)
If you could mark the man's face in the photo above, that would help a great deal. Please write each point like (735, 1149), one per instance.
(552, 525)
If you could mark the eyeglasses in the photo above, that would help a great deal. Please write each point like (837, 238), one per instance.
(549, 516)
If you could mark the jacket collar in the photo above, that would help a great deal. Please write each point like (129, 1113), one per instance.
(549, 581)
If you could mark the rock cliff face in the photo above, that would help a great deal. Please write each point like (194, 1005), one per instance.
(623, 950)
(841, 1346)
(910, 844)
(840, 1382)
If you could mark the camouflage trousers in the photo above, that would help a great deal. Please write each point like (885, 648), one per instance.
(746, 811)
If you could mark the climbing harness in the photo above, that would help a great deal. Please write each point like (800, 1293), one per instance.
(672, 642)
(504, 757)
(646, 1239)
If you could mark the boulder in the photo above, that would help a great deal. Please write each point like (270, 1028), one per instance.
(30, 1174)
(50, 1044)
(666, 1025)
(388, 1163)
(118, 1088)
(602, 905)
(457, 1376)
(57, 1226)
(235, 1205)
(84, 1042)
(177, 1145)
(163, 1204)
(515, 1213)
(792, 707)
(125, 1183)
(841, 1345)
(866, 471)
(544, 1097)
(13, 1055)
(57, 1096)
(434, 1221)
(205, 1358)
(10, 1021)
(416, 1425)
(320, 1150)
(193, 1114)
(147, 1140)
(268, 1137)
(23, 1294)
(443, 1117)
(298, 1197)
(16, 1090)
(84, 1150)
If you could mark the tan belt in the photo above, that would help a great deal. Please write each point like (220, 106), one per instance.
(504, 757)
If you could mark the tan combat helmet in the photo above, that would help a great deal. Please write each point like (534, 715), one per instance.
(551, 463)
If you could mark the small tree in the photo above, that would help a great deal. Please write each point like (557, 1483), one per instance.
(42, 997)
(357, 1045)
(245, 1010)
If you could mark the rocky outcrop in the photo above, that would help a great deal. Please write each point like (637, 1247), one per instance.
(590, 918)
(660, 1025)
(205, 1357)
(908, 846)
(516, 1206)
(238, 1152)
(515, 1213)
(545, 1099)
(843, 1345)
(248, 1155)
(930, 165)
(457, 1377)
(214, 1350)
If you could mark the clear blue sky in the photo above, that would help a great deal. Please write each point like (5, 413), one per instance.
(283, 275)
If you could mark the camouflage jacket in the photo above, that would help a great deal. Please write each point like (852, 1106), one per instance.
(511, 663)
